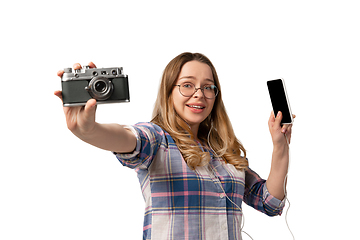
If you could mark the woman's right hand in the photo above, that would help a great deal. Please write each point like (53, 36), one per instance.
(80, 120)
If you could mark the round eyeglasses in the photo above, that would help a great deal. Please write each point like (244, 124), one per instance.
(189, 89)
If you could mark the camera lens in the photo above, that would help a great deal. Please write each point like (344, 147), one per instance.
(100, 88)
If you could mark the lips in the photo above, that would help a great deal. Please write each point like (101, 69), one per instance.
(195, 106)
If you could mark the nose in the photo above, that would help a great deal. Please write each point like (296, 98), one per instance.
(198, 93)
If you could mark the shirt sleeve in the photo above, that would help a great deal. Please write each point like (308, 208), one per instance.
(149, 138)
(257, 195)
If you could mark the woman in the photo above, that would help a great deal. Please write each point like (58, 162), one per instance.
(192, 169)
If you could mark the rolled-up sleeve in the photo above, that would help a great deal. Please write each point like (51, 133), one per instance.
(257, 195)
(148, 139)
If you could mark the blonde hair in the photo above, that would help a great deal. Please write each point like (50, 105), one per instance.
(216, 129)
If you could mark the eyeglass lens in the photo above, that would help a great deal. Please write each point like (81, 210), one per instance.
(188, 89)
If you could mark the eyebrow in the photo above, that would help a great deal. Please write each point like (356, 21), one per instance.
(192, 77)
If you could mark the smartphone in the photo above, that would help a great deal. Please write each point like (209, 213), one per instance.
(280, 100)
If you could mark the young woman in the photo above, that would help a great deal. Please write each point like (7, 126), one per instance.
(193, 171)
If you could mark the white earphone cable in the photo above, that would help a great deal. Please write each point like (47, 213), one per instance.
(242, 213)
(213, 171)
(285, 192)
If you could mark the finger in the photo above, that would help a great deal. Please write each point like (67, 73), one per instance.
(77, 66)
(289, 138)
(271, 119)
(60, 73)
(288, 135)
(272, 116)
(92, 65)
(58, 94)
(278, 118)
(90, 108)
(286, 128)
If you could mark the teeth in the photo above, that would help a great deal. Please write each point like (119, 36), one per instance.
(194, 106)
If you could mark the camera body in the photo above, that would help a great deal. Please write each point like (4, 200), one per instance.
(106, 85)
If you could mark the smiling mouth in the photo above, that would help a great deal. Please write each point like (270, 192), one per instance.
(195, 106)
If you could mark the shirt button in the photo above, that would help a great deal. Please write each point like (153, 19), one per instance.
(222, 195)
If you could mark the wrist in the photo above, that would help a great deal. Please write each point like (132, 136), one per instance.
(280, 148)
(280, 152)
(88, 133)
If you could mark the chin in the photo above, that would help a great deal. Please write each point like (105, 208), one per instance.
(193, 121)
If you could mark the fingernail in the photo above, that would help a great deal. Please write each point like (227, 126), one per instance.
(278, 114)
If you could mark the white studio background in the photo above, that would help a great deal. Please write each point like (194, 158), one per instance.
(53, 186)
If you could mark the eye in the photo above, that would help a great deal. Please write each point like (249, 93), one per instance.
(209, 87)
(187, 85)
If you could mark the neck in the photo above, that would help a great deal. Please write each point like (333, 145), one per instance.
(194, 130)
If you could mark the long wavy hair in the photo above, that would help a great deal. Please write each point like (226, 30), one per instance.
(216, 130)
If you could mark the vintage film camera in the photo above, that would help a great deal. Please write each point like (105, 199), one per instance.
(106, 85)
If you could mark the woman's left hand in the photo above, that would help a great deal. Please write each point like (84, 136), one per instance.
(277, 132)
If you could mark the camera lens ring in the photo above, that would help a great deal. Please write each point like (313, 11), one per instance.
(100, 88)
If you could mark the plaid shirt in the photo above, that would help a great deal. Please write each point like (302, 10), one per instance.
(181, 203)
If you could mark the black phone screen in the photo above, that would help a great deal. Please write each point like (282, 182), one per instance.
(279, 100)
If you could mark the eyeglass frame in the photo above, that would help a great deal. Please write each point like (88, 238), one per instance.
(202, 90)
